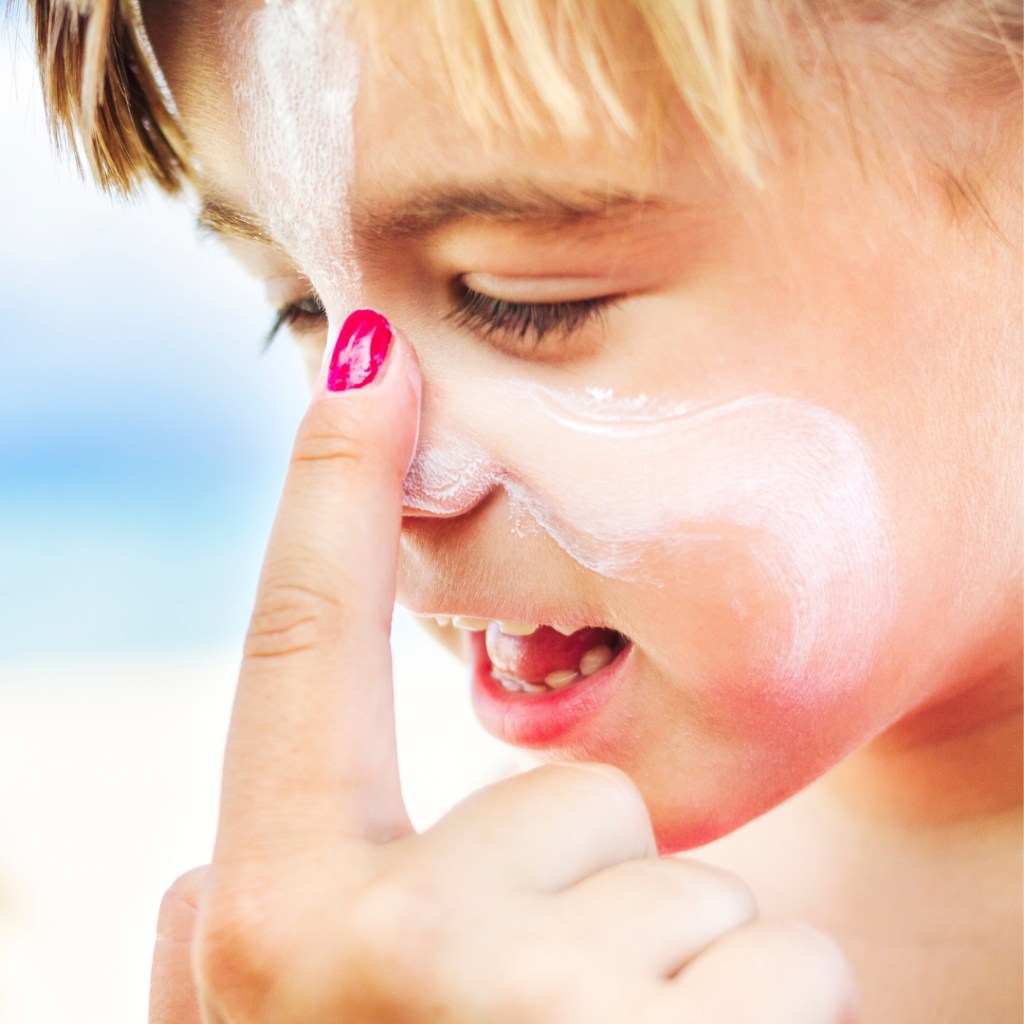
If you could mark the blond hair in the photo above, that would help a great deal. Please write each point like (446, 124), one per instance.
(507, 63)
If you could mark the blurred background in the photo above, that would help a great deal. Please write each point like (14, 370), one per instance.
(143, 440)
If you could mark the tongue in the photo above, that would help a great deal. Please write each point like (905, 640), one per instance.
(531, 658)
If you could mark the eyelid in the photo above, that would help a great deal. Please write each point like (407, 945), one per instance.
(292, 313)
(538, 289)
(284, 289)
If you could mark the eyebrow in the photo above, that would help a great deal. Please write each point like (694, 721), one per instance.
(222, 218)
(434, 207)
(428, 209)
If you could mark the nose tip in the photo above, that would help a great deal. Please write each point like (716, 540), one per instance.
(447, 479)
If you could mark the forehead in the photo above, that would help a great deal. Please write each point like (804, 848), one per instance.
(410, 135)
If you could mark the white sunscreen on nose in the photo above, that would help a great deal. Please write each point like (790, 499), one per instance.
(617, 480)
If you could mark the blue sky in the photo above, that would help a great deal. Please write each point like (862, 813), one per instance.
(142, 436)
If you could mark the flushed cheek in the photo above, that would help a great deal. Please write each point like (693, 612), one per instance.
(708, 758)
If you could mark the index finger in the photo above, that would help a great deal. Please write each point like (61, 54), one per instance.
(311, 748)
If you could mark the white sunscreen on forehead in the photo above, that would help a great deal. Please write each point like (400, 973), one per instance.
(622, 483)
(299, 78)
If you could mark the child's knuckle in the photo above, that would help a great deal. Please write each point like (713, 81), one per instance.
(818, 965)
(332, 436)
(395, 922)
(235, 956)
(723, 896)
(606, 790)
(290, 618)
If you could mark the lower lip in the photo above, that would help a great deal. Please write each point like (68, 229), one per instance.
(540, 719)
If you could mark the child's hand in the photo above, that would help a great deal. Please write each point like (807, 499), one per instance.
(539, 899)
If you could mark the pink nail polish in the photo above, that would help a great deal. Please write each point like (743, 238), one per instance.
(359, 351)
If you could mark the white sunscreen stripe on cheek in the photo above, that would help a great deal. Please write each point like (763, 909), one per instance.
(613, 479)
(298, 82)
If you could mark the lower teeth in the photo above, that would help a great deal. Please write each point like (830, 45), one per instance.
(556, 680)
(591, 662)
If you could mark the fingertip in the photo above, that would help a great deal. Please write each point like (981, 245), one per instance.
(367, 396)
(412, 366)
(360, 351)
(405, 351)
(365, 351)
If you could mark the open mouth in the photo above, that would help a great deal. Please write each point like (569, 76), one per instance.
(537, 685)
(528, 658)
(544, 659)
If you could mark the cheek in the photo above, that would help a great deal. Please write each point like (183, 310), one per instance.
(710, 736)
(763, 514)
(745, 551)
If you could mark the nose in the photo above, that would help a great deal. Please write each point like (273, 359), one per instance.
(452, 470)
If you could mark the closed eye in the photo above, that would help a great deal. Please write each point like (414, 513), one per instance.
(526, 321)
(303, 315)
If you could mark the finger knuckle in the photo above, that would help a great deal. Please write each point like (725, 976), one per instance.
(235, 956)
(322, 448)
(332, 433)
(396, 925)
(817, 965)
(607, 786)
(290, 618)
(722, 895)
(607, 791)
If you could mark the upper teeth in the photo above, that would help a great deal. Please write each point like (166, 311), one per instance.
(466, 622)
(517, 628)
(508, 628)
(478, 625)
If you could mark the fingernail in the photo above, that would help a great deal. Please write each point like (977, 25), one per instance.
(359, 351)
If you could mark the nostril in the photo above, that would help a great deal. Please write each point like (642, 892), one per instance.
(448, 479)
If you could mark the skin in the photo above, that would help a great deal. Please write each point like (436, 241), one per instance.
(848, 280)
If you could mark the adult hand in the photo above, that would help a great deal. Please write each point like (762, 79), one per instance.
(538, 899)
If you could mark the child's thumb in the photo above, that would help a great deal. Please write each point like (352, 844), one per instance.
(172, 990)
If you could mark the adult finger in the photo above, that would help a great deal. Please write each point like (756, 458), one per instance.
(172, 989)
(311, 748)
(546, 828)
(658, 914)
(769, 972)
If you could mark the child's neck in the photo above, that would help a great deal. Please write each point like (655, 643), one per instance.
(954, 761)
(908, 854)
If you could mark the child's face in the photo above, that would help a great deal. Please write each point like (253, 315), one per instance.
(782, 463)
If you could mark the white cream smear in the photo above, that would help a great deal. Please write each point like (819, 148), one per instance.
(295, 100)
(617, 480)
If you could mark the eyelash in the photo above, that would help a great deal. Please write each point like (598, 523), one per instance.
(489, 315)
(476, 311)
(310, 308)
